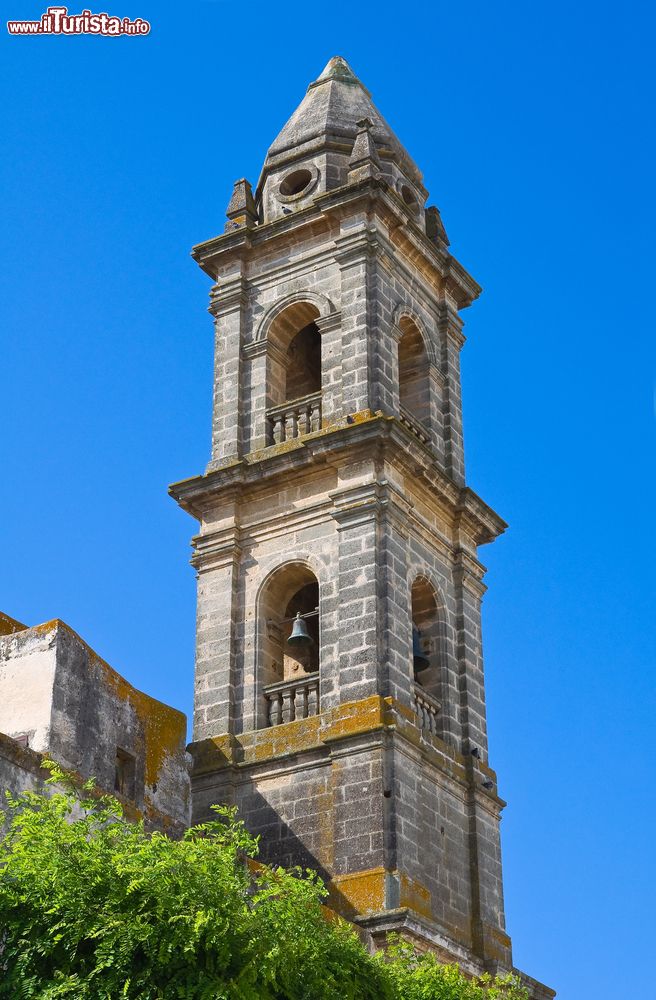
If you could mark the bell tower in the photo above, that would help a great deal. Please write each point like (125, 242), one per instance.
(339, 694)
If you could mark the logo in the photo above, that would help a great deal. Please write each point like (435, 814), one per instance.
(57, 21)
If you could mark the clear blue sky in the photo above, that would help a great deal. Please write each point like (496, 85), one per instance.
(533, 124)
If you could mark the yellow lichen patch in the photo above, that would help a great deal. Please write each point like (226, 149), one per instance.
(362, 416)
(51, 626)
(358, 893)
(10, 625)
(364, 892)
(280, 741)
(415, 896)
(225, 745)
(499, 937)
(399, 709)
(355, 717)
(165, 735)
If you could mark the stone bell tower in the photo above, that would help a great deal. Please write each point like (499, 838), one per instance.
(334, 513)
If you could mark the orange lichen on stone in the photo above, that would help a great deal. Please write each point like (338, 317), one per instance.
(355, 717)
(8, 625)
(415, 896)
(280, 741)
(358, 893)
(363, 893)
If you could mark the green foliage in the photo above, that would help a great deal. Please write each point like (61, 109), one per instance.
(92, 908)
(421, 977)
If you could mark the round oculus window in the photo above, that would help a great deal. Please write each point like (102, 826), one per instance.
(295, 183)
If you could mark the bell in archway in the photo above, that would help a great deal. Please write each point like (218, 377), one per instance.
(299, 635)
(419, 659)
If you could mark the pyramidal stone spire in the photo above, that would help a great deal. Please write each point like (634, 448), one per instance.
(320, 144)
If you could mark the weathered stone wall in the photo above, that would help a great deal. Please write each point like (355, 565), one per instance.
(389, 816)
(66, 702)
(28, 661)
(20, 768)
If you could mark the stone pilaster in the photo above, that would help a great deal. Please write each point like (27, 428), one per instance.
(263, 363)
(488, 929)
(229, 299)
(218, 620)
(437, 383)
(469, 593)
(330, 328)
(355, 255)
(450, 326)
(396, 679)
(356, 511)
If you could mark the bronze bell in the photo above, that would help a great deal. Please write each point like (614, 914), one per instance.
(299, 636)
(419, 659)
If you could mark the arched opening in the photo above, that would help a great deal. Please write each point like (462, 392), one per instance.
(414, 380)
(288, 671)
(428, 652)
(293, 373)
(303, 369)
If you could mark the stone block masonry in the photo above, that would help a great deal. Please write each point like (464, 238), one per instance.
(361, 523)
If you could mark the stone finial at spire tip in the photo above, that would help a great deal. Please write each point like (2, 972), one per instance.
(337, 68)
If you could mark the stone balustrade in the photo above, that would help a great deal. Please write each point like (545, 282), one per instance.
(292, 699)
(413, 425)
(428, 710)
(294, 419)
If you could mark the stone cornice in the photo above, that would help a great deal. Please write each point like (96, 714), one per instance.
(325, 324)
(450, 323)
(476, 515)
(355, 504)
(264, 348)
(216, 550)
(260, 469)
(371, 194)
(356, 725)
(229, 296)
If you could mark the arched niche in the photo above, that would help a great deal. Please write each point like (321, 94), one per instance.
(429, 633)
(414, 373)
(303, 364)
(290, 589)
(294, 354)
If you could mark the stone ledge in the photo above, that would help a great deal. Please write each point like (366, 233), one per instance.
(327, 732)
